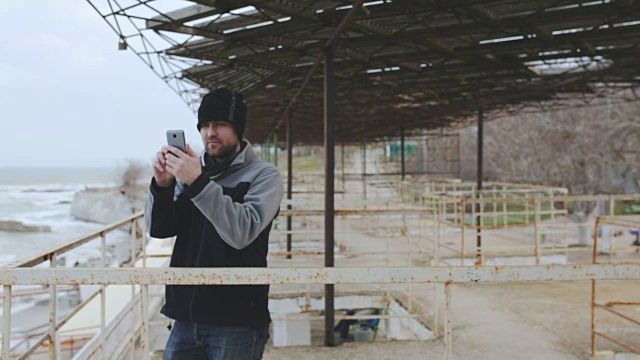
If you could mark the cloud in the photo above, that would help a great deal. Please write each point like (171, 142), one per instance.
(11, 6)
(14, 75)
(70, 98)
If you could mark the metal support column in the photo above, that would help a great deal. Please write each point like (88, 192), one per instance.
(344, 187)
(275, 150)
(479, 184)
(459, 161)
(402, 151)
(268, 150)
(329, 142)
(289, 176)
(364, 168)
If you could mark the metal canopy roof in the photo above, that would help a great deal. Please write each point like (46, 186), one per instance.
(401, 63)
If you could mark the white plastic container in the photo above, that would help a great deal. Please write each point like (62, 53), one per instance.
(363, 335)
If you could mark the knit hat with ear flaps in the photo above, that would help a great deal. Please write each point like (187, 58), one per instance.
(223, 104)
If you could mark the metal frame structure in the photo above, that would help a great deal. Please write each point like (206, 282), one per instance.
(410, 64)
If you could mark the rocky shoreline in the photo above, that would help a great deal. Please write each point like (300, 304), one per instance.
(19, 226)
(97, 205)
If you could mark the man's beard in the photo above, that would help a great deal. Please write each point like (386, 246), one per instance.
(223, 151)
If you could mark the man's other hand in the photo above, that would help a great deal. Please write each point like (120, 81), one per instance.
(160, 173)
(184, 166)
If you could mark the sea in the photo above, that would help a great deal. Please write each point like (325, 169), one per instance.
(42, 196)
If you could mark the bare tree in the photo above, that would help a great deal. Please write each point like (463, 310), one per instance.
(132, 174)
(131, 184)
(588, 150)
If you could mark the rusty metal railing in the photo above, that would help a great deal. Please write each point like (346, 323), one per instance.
(16, 274)
(49, 339)
(548, 215)
(537, 225)
(245, 276)
(613, 307)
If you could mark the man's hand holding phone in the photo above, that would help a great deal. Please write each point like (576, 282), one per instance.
(176, 160)
(163, 177)
(184, 166)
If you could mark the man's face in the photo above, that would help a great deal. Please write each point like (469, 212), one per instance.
(219, 139)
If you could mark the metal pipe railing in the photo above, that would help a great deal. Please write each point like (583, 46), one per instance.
(72, 244)
(247, 276)
(621, 221)
(539, 238)
(17, 274)
(354, 275)
(51, 256)
(6, 322)
(112, 327)
(539, 229)
(53, 311)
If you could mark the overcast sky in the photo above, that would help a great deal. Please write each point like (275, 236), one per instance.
(68, 97)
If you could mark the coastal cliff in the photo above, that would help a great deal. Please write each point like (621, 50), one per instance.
(105, 206)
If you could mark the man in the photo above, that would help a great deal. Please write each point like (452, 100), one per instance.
(220, 206)
(636, 233)
(344, 324)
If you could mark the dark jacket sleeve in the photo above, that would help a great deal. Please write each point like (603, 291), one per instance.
(159, 213)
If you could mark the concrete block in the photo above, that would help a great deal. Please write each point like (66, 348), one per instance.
(294, 329)
(604, 355)
(627, 356)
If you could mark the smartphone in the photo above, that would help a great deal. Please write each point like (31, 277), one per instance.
(175, 138)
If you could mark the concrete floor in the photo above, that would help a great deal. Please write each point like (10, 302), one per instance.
(513, 321)
(506, 321)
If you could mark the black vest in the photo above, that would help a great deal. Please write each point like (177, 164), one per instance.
(199, 245)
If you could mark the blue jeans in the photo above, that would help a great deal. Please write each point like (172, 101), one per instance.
(192, 341)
